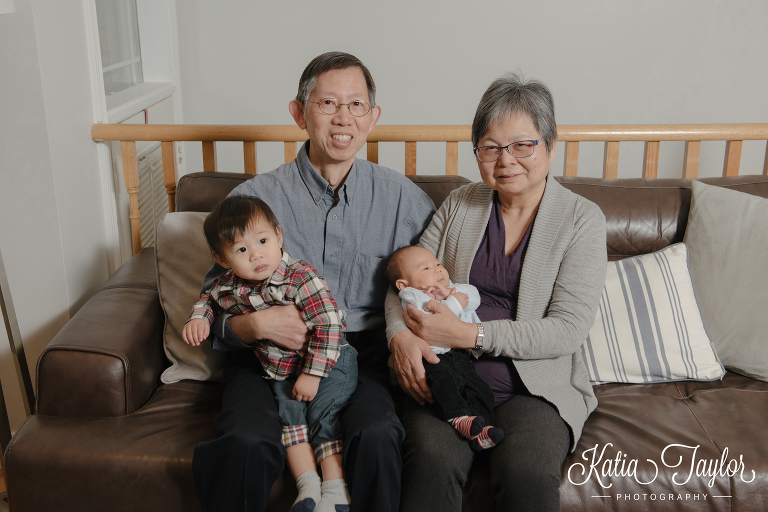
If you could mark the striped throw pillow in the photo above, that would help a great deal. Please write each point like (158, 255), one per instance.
(648, 327)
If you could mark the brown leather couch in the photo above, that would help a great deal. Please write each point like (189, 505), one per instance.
(107, 436)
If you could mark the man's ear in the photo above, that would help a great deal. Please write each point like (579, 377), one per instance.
(297, 112)
(218, 259)
(375, 116)
(400, 284)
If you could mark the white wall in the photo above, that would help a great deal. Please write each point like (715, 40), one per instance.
(52, 233)
(651, 61)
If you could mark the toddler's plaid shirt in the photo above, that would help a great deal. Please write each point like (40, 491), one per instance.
(294, 282)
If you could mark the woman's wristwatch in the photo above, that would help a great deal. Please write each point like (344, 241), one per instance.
(480, 337)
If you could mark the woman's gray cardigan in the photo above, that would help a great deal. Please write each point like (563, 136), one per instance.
(562, 278)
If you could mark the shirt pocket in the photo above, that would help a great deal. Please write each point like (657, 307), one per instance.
(368, 285)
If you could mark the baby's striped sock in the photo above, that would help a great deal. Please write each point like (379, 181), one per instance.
(468, 426)
(487, 438)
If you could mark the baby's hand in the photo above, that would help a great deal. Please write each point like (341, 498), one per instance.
(305, 388)
(463, 298)
(195, 331)
(438, 292)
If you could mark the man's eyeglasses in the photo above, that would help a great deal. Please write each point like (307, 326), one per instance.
(357, 108)
(519, 149)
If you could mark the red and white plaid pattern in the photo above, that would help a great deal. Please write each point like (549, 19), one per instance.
(328, 448)
(294, 282)
(295, 434)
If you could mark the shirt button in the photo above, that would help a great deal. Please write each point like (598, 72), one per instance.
(333, 256)
(335, 216)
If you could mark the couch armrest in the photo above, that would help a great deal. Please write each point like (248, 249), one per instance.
(108, 359)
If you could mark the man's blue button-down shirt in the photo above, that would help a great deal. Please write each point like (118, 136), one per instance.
(347, 238)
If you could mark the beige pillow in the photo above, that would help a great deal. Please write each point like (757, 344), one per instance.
(727, 235)
(183, 258)
(648, 327)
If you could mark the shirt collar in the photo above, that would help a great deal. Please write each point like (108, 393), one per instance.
(278, 276)
(317, 186)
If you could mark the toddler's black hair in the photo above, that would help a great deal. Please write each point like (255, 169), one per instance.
(231, 217)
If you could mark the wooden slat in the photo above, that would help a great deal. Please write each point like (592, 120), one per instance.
(410, 158)
(651, 159)
(452, 158)
(249, 157)
(663, 132)
(691, 166)
(209, 156)
(765, 164)
(169, 173)
(732, 158)
(571, 158)
(372, 152)
(569, 134)
(197, 132)
(611, 160)
(289, 151)
(131, 179)
(428, 133)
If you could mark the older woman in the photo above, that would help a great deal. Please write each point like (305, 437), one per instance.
(537, 254)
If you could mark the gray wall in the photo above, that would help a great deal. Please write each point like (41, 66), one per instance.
(606, 61)
(52, 232)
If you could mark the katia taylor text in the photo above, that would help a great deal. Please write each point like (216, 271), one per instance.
(682, 458)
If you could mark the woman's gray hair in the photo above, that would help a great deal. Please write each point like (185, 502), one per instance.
(328, 62)
(511, 94)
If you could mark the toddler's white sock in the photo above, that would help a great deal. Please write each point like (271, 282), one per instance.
(308, 484)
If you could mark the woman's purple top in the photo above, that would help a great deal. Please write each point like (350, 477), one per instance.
(497, 278)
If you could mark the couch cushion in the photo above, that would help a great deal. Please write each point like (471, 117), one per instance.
(641, 421)
(141, 461)
(646, 215)
(198, 192)
(183, 258)
(728, 238)
(648, 327)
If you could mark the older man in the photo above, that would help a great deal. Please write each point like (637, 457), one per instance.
(344, 216)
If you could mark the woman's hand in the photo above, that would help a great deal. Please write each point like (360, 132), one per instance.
(408, 351)
(282, 325)
(442, 328)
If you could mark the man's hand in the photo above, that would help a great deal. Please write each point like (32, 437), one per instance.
(195, 331)
(282, 325)
(305, 388)
(463, 298)
(409, 350)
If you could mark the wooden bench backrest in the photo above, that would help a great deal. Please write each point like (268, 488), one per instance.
(411, 135)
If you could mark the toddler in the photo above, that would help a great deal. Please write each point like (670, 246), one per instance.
(310, 388)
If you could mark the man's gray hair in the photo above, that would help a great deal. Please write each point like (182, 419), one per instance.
(328, 62)
(512, 94)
